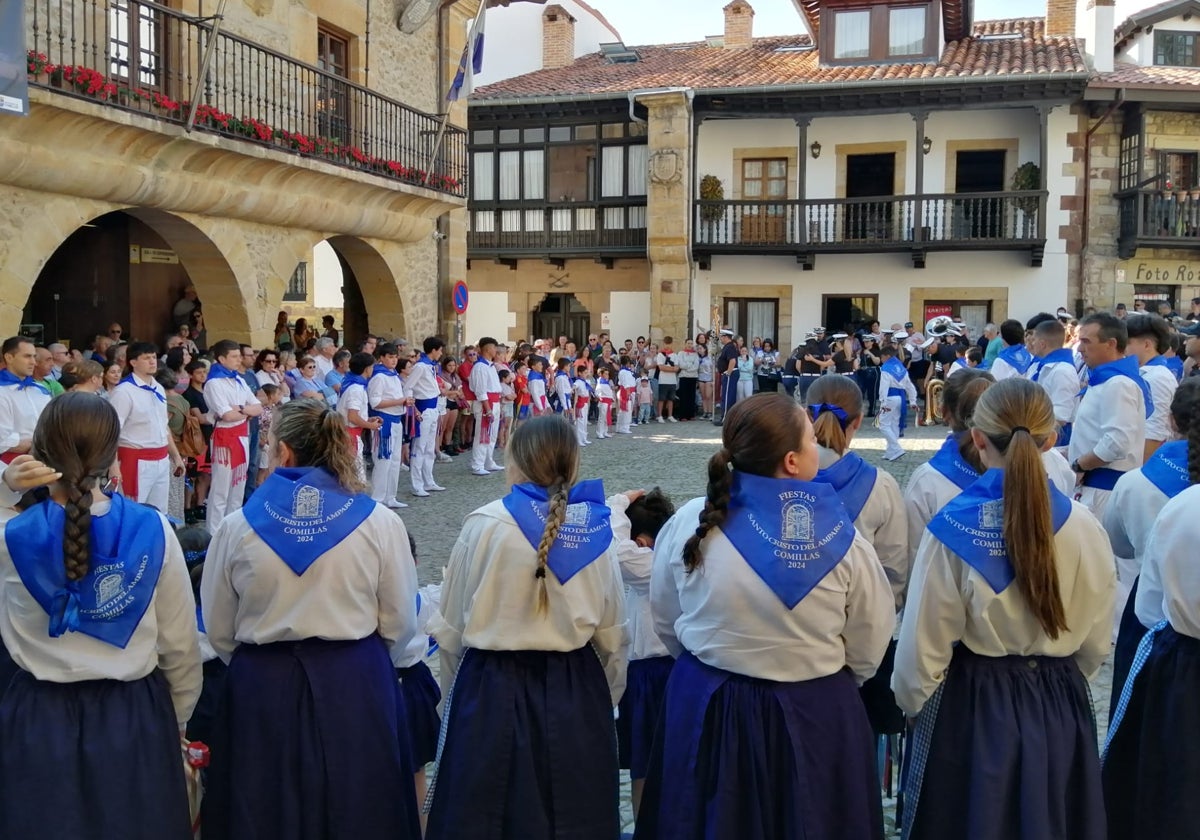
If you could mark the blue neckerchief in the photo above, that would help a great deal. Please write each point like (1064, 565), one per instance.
(972, 526)
(853, 479)
(7, 377)
(534, 376)
(602, 381)
(127, 547)
(1159, 361)
(584, 535)
(130, 380)
(560, 373)
(425, 360)
(1175, 365)
(1126, 366)
(1017, 357)
(791, 533)
(199, 619)
(1167, 468)
(1062, 355)
(384, 369)
(303, 513)
(949, 462)
(895, 369)
(352, 379)
(219, 371)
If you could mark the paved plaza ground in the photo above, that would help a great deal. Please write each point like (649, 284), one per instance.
(672, 456)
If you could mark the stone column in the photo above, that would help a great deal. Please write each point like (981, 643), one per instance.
(669, 211)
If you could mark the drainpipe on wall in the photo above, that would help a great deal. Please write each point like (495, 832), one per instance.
(1087, 194)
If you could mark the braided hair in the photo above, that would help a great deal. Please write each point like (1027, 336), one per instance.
(77, 436)
(1185, 412)
(545, 452)
(757, 435)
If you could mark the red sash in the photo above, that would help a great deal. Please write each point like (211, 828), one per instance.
(228, 450)
(581, 407)
(128, 458)
(606, 404)
(9, 457)
(489, 412)
(355, 433)
(625, 394)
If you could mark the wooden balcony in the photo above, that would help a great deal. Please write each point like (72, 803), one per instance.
(913, 224)
(602, 230)
(1158, 219)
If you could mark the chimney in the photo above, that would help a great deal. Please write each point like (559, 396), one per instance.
(739, 25)
(558, 38)
(1060, 17)
(1096, 32)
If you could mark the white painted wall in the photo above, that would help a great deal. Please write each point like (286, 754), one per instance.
(487, 314)
(326, 277)
(1141, 47)
(629, 316)
(513, 42)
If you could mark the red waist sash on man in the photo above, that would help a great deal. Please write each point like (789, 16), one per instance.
(489, 414)
(606, 404)
(625, 395)
(581, 407)
(228, 450)
(355, 433)
(128, 457)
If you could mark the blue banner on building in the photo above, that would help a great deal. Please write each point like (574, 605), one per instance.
(14, 86)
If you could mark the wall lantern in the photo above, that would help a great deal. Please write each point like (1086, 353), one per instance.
(926, 145)
(815, 149)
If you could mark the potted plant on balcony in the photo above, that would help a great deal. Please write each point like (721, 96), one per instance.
(1027, 178)
(711, 189)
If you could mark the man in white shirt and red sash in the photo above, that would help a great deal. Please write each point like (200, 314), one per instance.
(485, 384)
(231, 404)
(146, 449)
(22, 399)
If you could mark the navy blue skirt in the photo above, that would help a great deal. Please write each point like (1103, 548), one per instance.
(310, 743)
(92, 760)
(530, 750)
(1129, 635)
(641, 704)
(1006, 751)
(737, 757)
(200, 726)
(421, 697)
(1152, 763)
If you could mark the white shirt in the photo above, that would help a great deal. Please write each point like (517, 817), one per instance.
(665, 377)
(490, 596)
(20, 409)
(562, 387)
(1002, 370)
(583, 394)
(635, 564)
(366, 584)
(324, 366)
(1061, 382)
(883, 522)
(929, 491)
(689, 364)
(887, 382)
(957, 366)
(1162, 390)
(143, 416)
(1111, 422)
(1129, 518)
(950, 602)
(537, 393)
(1170, 575)
(626, 379)
(354, 397)
(727, 617)
(224, 395)
(405, 656)
(422, 382)
(167, 637)
(484, 379)
(382, 387)
(604, 390)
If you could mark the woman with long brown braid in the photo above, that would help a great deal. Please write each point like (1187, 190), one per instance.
(1008, 616)
(96, 610)
(776, 609)
(534, 644)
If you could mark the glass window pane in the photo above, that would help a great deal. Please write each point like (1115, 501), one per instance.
(585, 132)
(852, 34)
(614, 129)
(510, 176)
(510, 135)
(906, 31)
(482, 175)
(535, 135)
(481, 137)
(777, 168)
(752, 169)
(777, 188)
(560, 134)
(638, 163)
(535, 175)
(612, 172)
(752, 189)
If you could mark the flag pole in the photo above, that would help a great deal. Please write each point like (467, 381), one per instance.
(465, 64)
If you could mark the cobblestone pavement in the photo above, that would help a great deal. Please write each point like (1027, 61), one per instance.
(672, 456)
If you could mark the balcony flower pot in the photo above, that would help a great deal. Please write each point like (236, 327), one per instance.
(1027, 178)
(711, 189)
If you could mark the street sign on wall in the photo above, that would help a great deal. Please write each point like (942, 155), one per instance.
(14, 86)
(460, 297)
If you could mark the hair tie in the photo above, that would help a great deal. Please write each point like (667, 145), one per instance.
(540, 573)
(1020, 429)
(837, 411)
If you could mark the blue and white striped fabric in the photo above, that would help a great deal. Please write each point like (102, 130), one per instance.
(1139, 661)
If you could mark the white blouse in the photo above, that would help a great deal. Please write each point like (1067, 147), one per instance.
(635, 564)
(1170, 584)
(727, 617)
(167, 637)
(490, 597)
(949, 602)
(366, 584)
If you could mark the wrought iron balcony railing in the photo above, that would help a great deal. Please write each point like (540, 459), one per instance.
(141, 56)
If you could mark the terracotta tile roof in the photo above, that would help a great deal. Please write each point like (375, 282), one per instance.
(1136, 76)
(995, 48)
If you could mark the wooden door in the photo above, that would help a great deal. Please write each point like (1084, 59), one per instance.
(763, 180)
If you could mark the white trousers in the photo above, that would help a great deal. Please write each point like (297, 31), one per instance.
(889, 424)
(422, 452)
(624, 418)
(223, 497)
(154, 483)
(483, 455)
(385, 479)
(602, 423)
(581, 427)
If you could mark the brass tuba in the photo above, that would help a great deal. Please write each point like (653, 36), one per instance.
(933, 401)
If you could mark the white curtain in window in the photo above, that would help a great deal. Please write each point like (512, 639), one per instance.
(535, 176)
(484, 222)
(612, 172)
(638, 162)
(852, 34)
(761, 315)
(510, 220)
(535, 220)
(483, 171)
(906, 31)
(585, 218)
(637, 217)
(510, 176)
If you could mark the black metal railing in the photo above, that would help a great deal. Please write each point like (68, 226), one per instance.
(869, 224)
(1166, 218)
(145, 57)
(594, 227)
